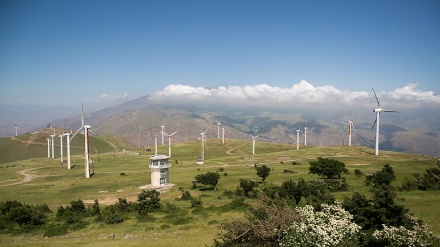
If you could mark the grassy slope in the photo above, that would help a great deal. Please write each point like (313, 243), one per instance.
(34, 145)
(58, 186)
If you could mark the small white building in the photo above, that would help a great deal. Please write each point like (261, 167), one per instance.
(159, 170)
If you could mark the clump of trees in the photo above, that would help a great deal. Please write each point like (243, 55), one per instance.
(19, 217)
(327, 168)
(209, 178)
(429, 181)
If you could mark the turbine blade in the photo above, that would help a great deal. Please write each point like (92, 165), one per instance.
(92, 132)
(82, 114)
(76, 132)
(376, 98)
(173, 133)
(374, 124)
(389, 110)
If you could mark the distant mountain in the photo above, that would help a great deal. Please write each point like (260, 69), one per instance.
(138, 120)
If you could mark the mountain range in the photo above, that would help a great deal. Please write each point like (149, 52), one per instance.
(141, 119)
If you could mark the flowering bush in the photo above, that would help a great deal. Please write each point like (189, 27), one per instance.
(332, 226)
(401, 236)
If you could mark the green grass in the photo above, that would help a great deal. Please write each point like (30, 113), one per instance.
(55, 185)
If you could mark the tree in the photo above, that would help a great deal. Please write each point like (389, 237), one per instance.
(148, 201)
(247, 186)
(263, 172)
(328, 168)
(385, 176)
(209, 178)
(291, 191)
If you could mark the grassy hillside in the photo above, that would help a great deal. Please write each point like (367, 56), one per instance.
(120, 174)
(34, 145)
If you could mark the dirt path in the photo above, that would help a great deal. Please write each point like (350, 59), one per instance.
(27, 177)
(230, 150)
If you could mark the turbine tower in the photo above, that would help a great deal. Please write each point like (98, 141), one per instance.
(16, 130)
(305, 135)
(169, 142)
(48, 147)
(53, 150)
(253, 143)
(61, 148)
(162, 133)
(218, 130)
(297, 138)
(68, 149)
(203, 134)
(350, 132)
(86, 129)
(223, 135)
(376, 122)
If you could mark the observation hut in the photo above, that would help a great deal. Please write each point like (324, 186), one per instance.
(159, 170)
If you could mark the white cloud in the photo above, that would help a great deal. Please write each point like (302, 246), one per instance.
(105, 96)
(300, 94)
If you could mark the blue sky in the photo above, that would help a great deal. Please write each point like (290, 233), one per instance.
(105, 52)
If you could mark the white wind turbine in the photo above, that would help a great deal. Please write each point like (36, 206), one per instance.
(305, 135)
(68, 149)
(350, 131)
(86, 129)
(61, 148)
(203, 138)
(223, 135)
(297, 138)
(376, 122)
(162, 131)
(169, 142)
(53, 150)
(48, 147)
(253, 143)
(218, 130)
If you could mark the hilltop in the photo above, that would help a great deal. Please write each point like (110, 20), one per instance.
(34, 145)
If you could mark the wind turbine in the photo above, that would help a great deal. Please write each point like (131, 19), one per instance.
(48, 147)
(253, 143)
(203, 134)
(68, 149)
(169, 142)
(297, 138)
(86, 129)
(53, 150)
(378, 111)
(305, 135)
(61, 147)
(162, 133)
(350, 132)
(218, 130)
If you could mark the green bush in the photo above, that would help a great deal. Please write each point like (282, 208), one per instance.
(55, 230)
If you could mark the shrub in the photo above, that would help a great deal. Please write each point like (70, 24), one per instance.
(358, 172)
(419, 235)
(332, 226)
(55, 230)
(148, 201)
(328, 168)
(263, 226)
(263, 172)
(209, 178)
